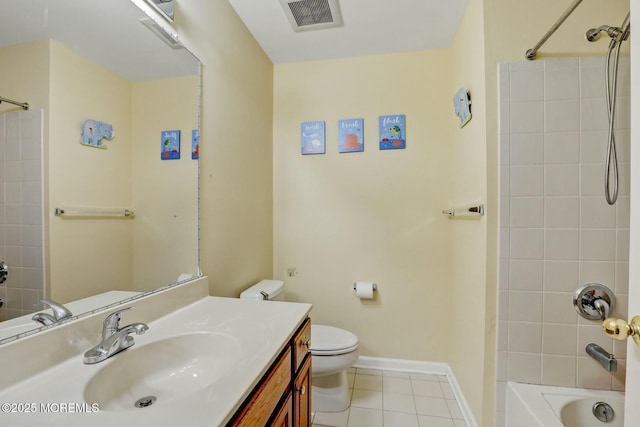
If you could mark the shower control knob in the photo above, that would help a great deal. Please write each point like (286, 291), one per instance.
(4, 271)
(620, 330)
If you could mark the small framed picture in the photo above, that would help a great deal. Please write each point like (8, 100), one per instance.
(312, 138)
(392, 132)
(170, 144)
(195, 144)
(350, 135)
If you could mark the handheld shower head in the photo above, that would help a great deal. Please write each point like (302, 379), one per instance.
(626, 27)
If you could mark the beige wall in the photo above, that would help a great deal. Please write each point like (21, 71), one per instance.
(165, 233)
(25, 75)
(369, 216)
(81, 176)
(236, 194)
(471, 309)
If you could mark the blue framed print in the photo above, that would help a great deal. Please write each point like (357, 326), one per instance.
(312, 138)
(392, 132)
(170, 145)
(350, 135)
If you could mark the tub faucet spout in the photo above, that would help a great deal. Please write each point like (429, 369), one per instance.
(608, 361)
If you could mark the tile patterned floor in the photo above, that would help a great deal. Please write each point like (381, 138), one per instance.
(395, 399)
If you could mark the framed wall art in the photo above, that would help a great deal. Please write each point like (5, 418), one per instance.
(312, 138)
(350, 135)
(392, 132)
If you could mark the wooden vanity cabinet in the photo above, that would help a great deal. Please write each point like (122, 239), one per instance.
(302, 395)
(283, 397)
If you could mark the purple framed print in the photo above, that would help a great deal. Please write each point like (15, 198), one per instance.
(350, 135)
(392, 132)
(312, 138)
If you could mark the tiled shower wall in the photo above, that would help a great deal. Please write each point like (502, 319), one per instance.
(21, 212)
(557, 232)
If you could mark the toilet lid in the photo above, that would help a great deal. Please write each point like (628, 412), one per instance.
(328, 340)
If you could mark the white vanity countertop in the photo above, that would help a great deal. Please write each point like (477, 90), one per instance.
(254, 331)
(22, 324)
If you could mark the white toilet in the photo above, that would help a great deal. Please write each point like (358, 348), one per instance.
(333, 351)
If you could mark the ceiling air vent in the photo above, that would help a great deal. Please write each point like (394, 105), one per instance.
(305, 15)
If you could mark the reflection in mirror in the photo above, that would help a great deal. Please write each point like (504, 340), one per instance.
(93, 61)
(165, 7)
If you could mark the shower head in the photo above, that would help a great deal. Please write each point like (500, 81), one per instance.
(593, 34)
(617, 33)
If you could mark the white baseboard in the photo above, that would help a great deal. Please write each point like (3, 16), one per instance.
(417, 366)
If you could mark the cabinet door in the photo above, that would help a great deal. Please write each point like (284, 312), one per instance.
(285, 416)
(265, 398)
(301, 344)
(302, 395)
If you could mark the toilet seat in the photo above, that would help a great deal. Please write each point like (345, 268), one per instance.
(331, 341)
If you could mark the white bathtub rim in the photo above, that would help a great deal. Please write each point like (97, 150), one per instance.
(547, 410)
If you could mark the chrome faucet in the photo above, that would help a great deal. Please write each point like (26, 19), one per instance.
(60, 312)
(608, 361)
(114, 338)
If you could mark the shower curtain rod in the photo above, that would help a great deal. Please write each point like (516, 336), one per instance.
(531, 53)
(24, 105)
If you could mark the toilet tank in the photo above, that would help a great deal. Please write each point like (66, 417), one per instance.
(272, 290)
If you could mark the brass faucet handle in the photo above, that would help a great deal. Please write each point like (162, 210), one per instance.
(620, 330)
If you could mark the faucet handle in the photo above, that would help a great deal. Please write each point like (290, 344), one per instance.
(620, 330)
(112, 323)
(59, 311)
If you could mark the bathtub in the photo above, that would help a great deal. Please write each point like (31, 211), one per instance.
(530, 405)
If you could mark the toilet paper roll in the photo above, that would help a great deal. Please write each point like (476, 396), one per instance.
(364, 289)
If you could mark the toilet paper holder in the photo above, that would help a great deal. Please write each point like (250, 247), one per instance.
(375, 286)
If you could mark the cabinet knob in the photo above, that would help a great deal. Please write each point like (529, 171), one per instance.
(302, 390)
(619, 329)
(305, 343)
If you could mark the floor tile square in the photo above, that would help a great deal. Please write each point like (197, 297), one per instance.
(454, 409)
(396, 385)
(423, 377)
(427, 388)
(365, 371)
(447, 391)
(397, 419)
(398, 403)
(432, 406)
(366, 399)
(426, 421)
(368, 382)
(361, 417)
(395, 374)
(334, 419)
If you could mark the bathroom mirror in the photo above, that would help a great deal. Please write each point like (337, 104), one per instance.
(107, 62)
(164, 7)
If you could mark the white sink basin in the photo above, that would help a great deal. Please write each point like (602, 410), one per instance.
(162, 371)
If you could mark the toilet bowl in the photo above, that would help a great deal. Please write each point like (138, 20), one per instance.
(333, 351)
